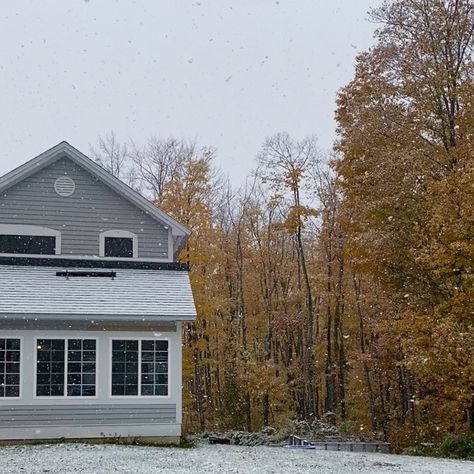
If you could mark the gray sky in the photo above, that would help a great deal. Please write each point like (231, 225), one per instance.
(227, 73)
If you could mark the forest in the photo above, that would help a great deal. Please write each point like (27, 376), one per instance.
(337, 282)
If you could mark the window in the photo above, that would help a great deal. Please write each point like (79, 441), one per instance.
(9, 368)
(28, 244)
(118, 244)
(29, 240)
(154, 368)
(118, 247)
(139, 367)
(66, 368)
(125, 368)
(81, 357)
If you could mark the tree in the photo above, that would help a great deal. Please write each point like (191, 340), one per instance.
(404, 162)
(112, 155)
(159, 160)
(284, 163)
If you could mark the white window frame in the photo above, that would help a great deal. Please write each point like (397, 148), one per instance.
(139, 396)
(32, 230)
(66, 348)
(4, 400)
(118, 234)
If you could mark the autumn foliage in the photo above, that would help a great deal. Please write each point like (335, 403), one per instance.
(341, 284)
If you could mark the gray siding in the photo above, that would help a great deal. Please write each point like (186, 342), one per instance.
(28, 416)
(92, 209)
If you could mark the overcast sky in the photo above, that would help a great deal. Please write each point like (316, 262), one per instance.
(226, 73)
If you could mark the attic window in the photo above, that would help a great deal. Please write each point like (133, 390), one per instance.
(64, 186)
(19, 239)
(27, 244)
(118, 244)
(119, 247)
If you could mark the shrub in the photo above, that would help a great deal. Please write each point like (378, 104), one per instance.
(457, 446)
(453, 446)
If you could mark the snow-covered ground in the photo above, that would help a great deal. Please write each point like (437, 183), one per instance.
(88, 459)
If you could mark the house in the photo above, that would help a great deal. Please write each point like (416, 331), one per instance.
(92, 302)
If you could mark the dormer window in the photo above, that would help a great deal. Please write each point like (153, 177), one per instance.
(119, 247)
(29, 240)
(118, 244)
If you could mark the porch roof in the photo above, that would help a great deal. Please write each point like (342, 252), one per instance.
(28, 292)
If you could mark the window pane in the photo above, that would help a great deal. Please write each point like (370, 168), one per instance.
(13, 344)
(9, 368)
(161, 390)
(118, 247)
(88, 390)
(124, 367)
(131, 390)
(12, 391)
(57, 390)
(50, 367)
(27, 244)
(81, 367)
(154, 368)
(147, 390)
(118, 390)
(73, 390)
(89, 344)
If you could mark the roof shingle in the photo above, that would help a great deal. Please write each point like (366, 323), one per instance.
(28, 291)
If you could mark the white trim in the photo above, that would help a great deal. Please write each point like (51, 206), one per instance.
(33, 230)
(170, 245)
(179, 356)
(120, 234)
(139, 396)
(65, 396)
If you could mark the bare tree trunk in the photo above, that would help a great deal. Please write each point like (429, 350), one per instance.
(339, 338)
(308, 338)
(368, 382)
(330, 401)
(470, 416)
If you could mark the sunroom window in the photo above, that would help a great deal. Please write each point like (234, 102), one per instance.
(66, 367)
(10, 368)
(139, 368)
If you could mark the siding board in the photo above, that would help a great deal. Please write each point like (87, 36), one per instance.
(92, 209)
(86, 415)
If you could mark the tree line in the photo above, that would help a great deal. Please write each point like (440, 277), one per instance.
(337, 283)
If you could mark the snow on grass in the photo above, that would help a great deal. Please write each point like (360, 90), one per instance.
(89, 459)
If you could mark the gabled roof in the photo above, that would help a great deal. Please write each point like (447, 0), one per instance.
(64, 149)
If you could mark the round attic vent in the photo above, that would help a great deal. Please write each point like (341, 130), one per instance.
(64, 186)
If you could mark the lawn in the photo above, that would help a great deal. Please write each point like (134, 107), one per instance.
(88, 459)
